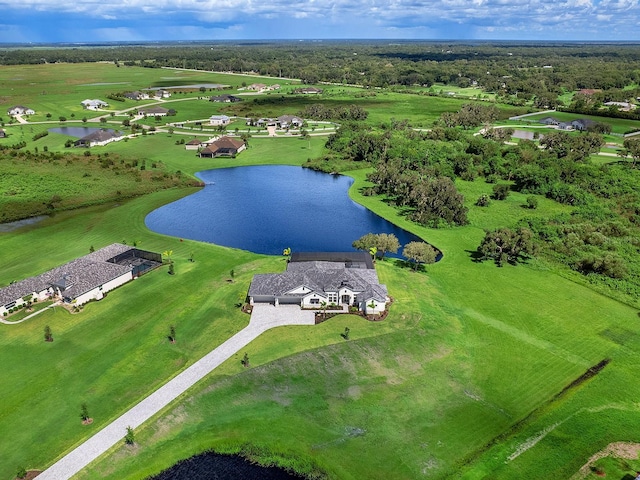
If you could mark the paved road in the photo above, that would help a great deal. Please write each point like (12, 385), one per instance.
(264, 317)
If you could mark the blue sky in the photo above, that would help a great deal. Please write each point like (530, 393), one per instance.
(144, 20)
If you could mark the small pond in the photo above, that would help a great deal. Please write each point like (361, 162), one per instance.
(265, 209)
(194, 85)
(77, 132)
(213, 466)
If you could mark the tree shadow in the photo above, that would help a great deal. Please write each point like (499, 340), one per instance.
(475, 256)
(410, 265)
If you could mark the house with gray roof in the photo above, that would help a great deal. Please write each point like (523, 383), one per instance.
(323, 278)
(86, 278)
(99, 137)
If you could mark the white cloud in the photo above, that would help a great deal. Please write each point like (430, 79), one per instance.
(558, 18)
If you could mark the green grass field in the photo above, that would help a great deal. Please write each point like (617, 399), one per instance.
(460, 380)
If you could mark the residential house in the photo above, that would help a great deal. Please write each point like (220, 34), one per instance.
(314, 279)
(582, 124)
(223, 147)
(20, 110)
(622, 106)
(93, 104)
(219, 120)
(256, 87)
(160, 94)
(98, 138)
(86, 278)
(308, 90)
(289, 121)
(225, 99)
(153, 111)
(549, 121)
(193, 144)
(137, 95)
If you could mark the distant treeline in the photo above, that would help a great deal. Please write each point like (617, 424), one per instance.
(541, 71)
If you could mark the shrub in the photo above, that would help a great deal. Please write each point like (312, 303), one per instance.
(500, 191)
(483, 200)
(532, 202)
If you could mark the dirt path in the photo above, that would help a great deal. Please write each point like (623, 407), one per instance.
(626, 450)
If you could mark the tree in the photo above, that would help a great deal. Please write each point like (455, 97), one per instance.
(48, 336)
(419, 253)
(129, 438)
(367, 243)
(245, 360)
(323, 306)
(632, 147)
(103, 120)
(172, 334)
(345, 334)
(232, 274)
(84, 412)
(168, 253)
(172, 270)
(62, 118)
(84, 119)
(92, 249)
(506, 245)
(377, 242)
(21, 472)
(48, 115)
(500, 191)
(387, 243)
(286, 252)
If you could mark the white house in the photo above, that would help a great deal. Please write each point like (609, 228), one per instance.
(153, 111)
(314, 279)
(137, 95)
(83, 279)
(289, 121)
(219, 120)
(94, 104)
(98, 138)
(20, 110)
(160, 94)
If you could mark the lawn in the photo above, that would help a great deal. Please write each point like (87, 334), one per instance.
(468, 351)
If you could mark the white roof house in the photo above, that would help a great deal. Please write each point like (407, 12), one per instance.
(94, 104)
(219, 120)
(20, 110)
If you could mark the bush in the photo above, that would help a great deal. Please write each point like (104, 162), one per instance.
(532, 202)
(483, 200)
(500, 191)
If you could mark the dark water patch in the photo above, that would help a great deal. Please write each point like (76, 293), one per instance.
(214, 466)
(77, 132)
(11, 226)
(265, 209)
(195, 85)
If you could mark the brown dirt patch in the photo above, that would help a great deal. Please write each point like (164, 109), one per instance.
(625, 450)
(31, 474)
(88, 421)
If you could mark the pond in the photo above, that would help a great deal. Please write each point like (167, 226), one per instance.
(265, 209)
(77, 132)
(213, 466)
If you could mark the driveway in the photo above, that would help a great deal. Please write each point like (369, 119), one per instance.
(263, 318)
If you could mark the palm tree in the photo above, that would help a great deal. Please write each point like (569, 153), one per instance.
(168, 253)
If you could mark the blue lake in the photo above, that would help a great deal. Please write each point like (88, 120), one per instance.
(265, 209)
(77, 132)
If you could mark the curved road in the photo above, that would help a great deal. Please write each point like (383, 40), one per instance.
(263, 318)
